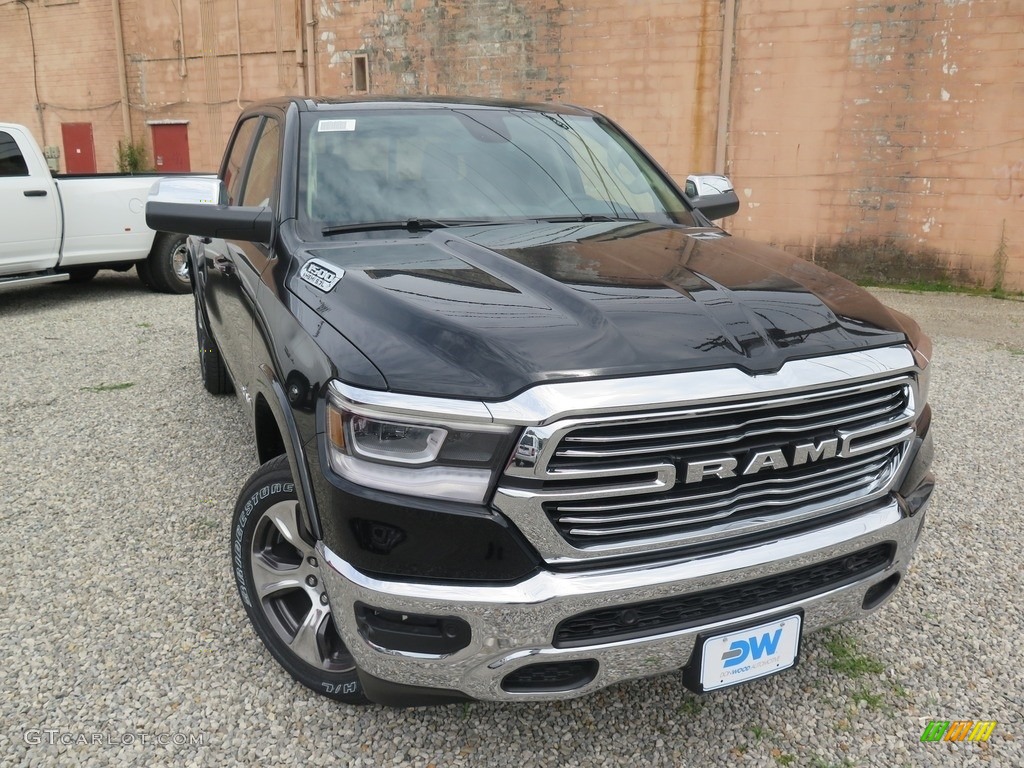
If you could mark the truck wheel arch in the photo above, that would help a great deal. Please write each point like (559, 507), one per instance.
(276, 434)
(269, 440)
(167, 268)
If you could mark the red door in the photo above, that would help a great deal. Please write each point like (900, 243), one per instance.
(79, 153)
(170, 148)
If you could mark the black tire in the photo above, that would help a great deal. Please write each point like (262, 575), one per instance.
(167, 268)
(212, 370)
(278, 578)
(81, 274)
(142, 270)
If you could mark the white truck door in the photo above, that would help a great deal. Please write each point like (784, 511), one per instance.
(30, 221)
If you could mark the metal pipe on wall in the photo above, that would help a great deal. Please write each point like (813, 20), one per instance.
(35, 71)
(122, 73)
(238, 41)
(725, 85)
(300, 47)
(310, 36)
(182, 64)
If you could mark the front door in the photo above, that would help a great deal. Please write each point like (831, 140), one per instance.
(79, 152)
(170, 148)
(30, 233)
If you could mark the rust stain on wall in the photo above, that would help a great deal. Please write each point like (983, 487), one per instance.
(708, 55)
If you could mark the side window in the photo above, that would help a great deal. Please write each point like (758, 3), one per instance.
(12, 163)
(233, 171)
(259, 184)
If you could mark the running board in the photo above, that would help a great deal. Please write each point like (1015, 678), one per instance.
(14, 281)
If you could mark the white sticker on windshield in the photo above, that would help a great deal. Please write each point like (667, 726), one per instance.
(335, 125)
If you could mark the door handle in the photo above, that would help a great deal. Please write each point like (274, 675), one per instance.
(34, 193)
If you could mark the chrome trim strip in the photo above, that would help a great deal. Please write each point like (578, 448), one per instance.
(597, 453)
(545, 403)
(431, 409)
(889, 398)
(16, 281)
(733, 503)
(855, 484)
(826, 473)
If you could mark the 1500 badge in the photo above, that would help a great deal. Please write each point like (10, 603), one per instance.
(321, 275)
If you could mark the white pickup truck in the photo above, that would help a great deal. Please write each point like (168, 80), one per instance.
(70, 227)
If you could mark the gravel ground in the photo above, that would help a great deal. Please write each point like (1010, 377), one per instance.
(123, 640)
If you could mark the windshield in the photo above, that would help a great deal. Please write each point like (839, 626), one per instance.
(449, 165)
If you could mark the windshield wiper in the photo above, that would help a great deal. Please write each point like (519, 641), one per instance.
(587, 217)
(412, 225)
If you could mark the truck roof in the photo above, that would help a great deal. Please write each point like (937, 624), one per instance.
(335, 103)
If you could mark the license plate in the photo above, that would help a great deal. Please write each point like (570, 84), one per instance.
(746, 654)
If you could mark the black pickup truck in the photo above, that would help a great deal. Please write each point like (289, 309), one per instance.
(529, 423)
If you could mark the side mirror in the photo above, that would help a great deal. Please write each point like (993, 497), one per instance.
(197, 206)
(712, 195)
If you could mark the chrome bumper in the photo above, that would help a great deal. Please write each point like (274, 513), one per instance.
(513, 626)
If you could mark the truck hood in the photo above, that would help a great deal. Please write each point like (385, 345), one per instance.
(487, 311)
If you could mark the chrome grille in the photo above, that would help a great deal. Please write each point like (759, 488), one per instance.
(615, 481)
(724, 427)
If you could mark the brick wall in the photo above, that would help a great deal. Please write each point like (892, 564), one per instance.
(76, 67)
(850, 124)
(189, 68)
(897, 122)
(651, 66)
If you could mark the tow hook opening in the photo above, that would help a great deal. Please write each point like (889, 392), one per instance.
(880, 592)
(550, 676)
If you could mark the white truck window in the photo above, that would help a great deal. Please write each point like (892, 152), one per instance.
(12, 162)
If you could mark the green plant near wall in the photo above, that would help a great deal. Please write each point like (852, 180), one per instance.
(131, 157)
(999, 260)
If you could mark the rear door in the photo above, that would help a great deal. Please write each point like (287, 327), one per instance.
(30, 235)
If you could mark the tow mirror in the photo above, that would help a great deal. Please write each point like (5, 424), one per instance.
(712, 195)
(198, 206)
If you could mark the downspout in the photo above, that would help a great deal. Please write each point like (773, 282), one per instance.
(725, 85)
(35, 72)
(122, 74)
(238, 41)
(300, 48)
(310, 34)
(182, 65)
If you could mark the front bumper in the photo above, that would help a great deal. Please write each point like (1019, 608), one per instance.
(513, 626)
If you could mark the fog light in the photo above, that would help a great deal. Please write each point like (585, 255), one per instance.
(412, 633)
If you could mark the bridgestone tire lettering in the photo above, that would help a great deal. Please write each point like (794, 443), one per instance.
(269, 486)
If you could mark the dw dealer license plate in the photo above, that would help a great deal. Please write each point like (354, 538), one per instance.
(746, 654)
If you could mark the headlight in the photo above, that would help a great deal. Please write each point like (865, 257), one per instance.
(446, 460)
(389, 440)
